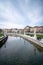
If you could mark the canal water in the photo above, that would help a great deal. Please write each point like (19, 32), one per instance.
(17, 51)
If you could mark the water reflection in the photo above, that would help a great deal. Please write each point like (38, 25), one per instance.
(24, 42)
(35, 51)
(20, 38)
(20, 52)
(40, 49)
(5, 45)
(1, 44)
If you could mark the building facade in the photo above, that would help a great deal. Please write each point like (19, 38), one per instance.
(28, 29)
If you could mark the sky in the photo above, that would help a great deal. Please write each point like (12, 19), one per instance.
(21, 13)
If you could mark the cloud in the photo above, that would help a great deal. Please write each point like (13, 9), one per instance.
(32, 11)
(19, 13)
(34, 17)
(10, 13)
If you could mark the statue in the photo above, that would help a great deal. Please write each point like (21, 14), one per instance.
(35, 37)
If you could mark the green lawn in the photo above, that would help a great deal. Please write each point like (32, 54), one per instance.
(41, 36)
(1, 34)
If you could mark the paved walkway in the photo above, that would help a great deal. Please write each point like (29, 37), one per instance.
(37, 42)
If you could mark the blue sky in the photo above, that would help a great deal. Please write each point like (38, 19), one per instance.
(20, 13)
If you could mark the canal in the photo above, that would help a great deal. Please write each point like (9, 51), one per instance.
(17, 51)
